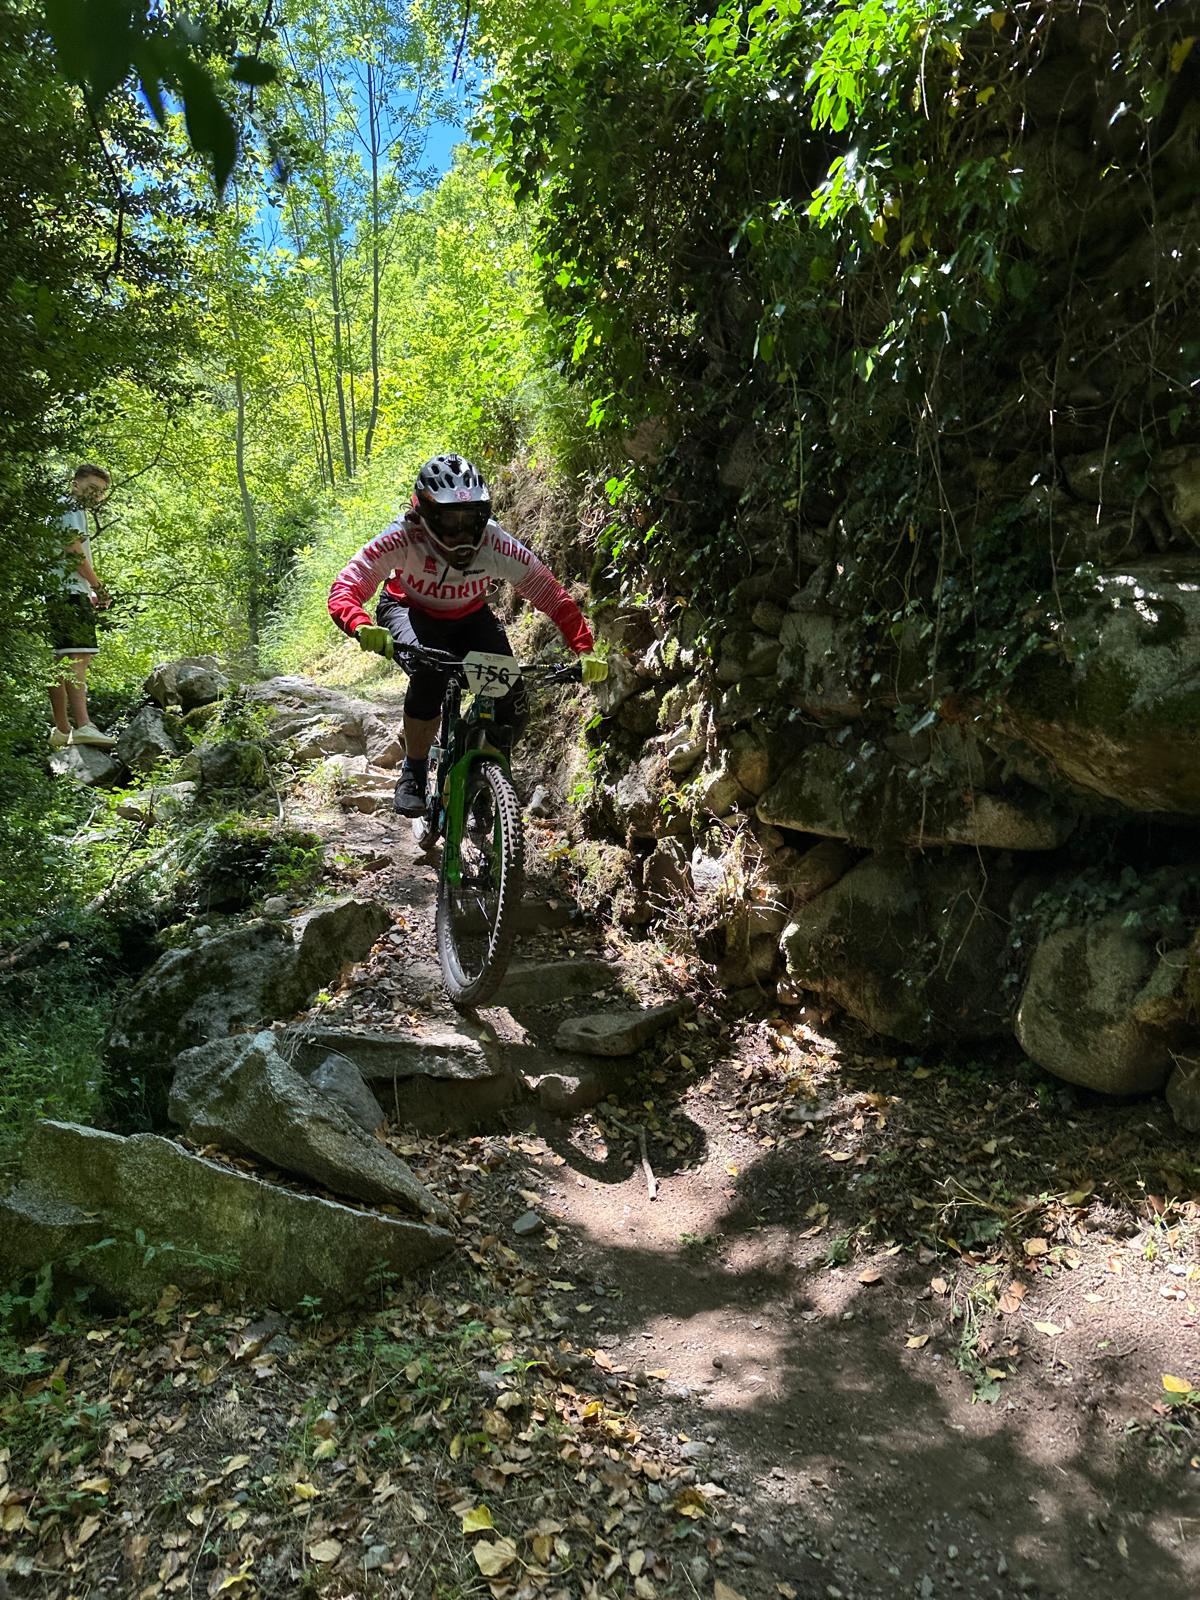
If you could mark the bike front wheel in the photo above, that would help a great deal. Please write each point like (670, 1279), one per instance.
(477, 917)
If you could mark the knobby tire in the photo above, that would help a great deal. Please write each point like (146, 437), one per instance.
(465, 986)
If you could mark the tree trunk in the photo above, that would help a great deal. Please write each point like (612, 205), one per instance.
(351, 371)
(376, 270)
(249, 519)
(325, 439)
(313, 424)
(339, 359)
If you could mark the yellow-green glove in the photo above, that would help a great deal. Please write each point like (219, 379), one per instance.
(594, 669)
(377, 639)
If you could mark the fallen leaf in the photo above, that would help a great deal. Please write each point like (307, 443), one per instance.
(478, 1520)
(939, 1285)
(94, 1486)
(492, 1558)
(870, 1275)
(916, 1341)
(840, 1155)
(1176, 1385)
(722, 1591)
(1010, 1300)
(1036, 1247)
(324, 1551)
(691, 1503)
(88, 1527)
(305, 1491)
(1049, 1328)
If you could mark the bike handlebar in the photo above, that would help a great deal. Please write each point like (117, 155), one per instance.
(426, 655)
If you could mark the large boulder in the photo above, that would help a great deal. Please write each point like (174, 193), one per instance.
(334, 934)
(1117, 714)
(233, 764)
(87, 764)
(85, 1197)
(197, 685)
(219, 984)
(816, 664)
(875, 799)
(637, 798)
(241, 1095)
(1103, 1007)
(148, 738)
(198, 677)
(913, 947)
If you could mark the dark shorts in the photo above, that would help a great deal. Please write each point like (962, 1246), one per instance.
(71, 619)
(458, 635)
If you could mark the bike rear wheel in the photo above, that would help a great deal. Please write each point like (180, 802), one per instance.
(477, 917)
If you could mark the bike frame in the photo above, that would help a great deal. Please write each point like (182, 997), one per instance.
(462, 741)
(448, 799)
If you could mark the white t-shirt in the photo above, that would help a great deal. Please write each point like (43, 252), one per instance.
(75, 520)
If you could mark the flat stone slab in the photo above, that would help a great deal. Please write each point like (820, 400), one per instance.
(545, 983)
(212, 1228)
(432, 1081)
(619, 1032)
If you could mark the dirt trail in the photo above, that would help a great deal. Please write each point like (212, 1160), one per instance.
(801, 1335)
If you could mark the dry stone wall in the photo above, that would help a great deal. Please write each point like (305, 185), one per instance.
(1028, 865)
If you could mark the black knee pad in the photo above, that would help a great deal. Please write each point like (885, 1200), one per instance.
(423, 697)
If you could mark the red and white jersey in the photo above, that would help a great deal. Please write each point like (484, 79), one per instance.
(403, 560)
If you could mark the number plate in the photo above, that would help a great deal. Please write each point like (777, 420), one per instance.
(490, 675)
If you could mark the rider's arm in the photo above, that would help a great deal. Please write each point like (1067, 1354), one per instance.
(359, 579)
(541, 588)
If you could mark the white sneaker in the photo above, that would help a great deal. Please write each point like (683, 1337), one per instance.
(58, 739)
(90, 734)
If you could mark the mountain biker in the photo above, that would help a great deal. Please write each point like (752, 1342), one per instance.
(439, 562)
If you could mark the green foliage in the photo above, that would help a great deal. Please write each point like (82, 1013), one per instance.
(873, 267)
(239, 859)
(100, 43)
(53, 1019)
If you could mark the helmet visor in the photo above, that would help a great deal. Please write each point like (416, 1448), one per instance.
(462, 524)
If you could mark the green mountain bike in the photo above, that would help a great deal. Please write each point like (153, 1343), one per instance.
(474, 810)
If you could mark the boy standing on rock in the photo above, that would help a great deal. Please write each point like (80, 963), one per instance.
(70, 613)
(439, 563)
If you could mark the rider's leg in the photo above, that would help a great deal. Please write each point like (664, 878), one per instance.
(422, 703)
(419, 734)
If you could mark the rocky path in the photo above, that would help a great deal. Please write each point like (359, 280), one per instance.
(748, 1312)
(890, 1417)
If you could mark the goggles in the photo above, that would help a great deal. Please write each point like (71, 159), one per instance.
(463, 524)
